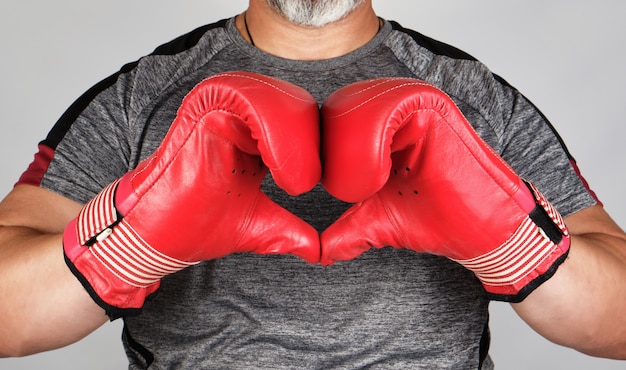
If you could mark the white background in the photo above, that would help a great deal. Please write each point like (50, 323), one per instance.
(565, 55)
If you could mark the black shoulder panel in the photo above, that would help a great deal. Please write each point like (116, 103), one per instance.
(437, 47)
(173, 47)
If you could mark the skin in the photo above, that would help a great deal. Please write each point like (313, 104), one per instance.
(276, 35)
(582, 306)
(44, 307)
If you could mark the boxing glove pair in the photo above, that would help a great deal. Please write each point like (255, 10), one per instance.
(399, 149)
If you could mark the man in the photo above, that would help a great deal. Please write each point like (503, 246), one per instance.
(37, 217)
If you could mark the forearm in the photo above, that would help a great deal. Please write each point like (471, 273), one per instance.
(582, 306)
(43, 305)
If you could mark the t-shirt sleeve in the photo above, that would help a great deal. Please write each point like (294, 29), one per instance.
(531, 145)
(88, 147)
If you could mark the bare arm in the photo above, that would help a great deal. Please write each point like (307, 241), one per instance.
(43, 305)
(583, 305)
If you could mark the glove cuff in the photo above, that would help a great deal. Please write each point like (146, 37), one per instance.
(112, 261)
(528, 258)
(117, 298)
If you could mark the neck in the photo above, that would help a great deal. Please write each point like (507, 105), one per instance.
(272, 33)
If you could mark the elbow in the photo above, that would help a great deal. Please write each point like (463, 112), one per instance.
(608, 351)
(13, 346)
(598, 342)
(13, 350)
(22, 341)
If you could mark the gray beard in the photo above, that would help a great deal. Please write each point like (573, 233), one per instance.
(314, 13)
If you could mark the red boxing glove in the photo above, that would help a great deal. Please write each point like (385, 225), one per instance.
(424, 180)
(198, 196)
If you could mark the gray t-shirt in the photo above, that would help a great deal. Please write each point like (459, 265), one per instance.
(389, 308)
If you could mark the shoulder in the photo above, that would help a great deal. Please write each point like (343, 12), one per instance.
(172, 61)
(478, 91)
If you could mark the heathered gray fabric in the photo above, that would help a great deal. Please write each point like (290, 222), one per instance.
(387, 309)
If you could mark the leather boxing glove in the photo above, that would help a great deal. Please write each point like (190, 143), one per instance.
(198, 197)
(423, 179)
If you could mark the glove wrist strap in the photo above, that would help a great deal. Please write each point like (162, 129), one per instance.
(528, 258)
(113, 262)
